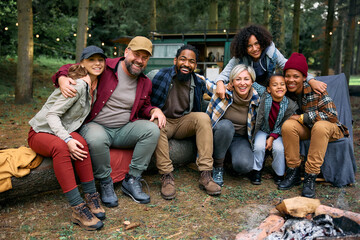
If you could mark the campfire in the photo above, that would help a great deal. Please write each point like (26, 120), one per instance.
(305, 218)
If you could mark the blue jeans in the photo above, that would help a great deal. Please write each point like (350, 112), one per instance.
(142, 135)
(278, 163)
(225, 139)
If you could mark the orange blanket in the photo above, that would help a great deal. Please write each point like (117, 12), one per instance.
(16, 162)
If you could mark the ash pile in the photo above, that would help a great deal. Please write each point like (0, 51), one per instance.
(320, 227)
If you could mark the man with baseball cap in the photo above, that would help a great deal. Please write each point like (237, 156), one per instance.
(317, 121)
(118, 119)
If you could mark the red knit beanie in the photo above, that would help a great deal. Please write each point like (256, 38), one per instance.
(297, 61)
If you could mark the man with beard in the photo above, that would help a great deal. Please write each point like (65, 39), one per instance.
(117, 119)
(178, 92)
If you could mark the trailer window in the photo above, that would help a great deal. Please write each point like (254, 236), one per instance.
(165, 50)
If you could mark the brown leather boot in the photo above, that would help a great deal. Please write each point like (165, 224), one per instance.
(207, 183)
(82, 216)
(168, 191)
(93, 202)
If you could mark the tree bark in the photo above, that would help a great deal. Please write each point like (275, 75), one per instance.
(42, 179)
(350, 37)
(81, 35)
(328, 38)
(213, 16)
(266, 13)
(357, 63)
(24, 82)
(339, 42)
(276, 21)
(296, 27)
(234, 15)
(248, 11)
(153, 16)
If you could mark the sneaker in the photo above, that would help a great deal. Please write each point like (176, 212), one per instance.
(108, 195)
(168, 191)
(132, 187)
(255, 177)
(93, 202)
(218, 174)
(82, 216)
(207, 183)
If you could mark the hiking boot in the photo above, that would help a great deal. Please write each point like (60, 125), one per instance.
(278, 179)
(309, 185)
(218, 176)
(168, 191)
(108, 195)
(292, 178)
(255, 177)
(207, 183)
(93, 202)
(132, 187)
(82, 216)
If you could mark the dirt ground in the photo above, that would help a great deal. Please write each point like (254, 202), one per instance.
(192, 215)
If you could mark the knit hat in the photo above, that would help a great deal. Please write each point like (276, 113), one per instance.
(297, 61)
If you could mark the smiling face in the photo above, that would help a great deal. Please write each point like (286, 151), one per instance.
(185, 63)
(242, 84)
(294, 81)
(95, 65)
(136, 61)
(253, 48)
(277, 88)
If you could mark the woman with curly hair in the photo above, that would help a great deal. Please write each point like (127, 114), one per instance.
(253, 46)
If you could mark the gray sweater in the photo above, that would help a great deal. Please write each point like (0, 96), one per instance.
(61, 116)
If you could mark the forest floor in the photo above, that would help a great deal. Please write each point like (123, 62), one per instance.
(192, 215)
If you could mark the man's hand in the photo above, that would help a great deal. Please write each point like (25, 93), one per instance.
(269, 143)
(75, 148)
(220, 89)
(318, 86)
(65, 86)
(157, 113)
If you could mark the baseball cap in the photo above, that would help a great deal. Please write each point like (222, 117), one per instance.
(141, 43)
(91, 50)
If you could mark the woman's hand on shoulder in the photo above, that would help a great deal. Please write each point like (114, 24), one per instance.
(318, 86)
(220, 89)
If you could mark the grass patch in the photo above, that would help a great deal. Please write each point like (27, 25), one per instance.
(355, 80)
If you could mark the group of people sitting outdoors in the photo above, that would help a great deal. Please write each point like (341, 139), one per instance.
(102, 103)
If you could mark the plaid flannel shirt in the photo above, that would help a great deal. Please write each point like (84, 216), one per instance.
(318, 107)
(217, 107)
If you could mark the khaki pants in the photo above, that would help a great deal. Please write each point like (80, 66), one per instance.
(194, 123)
(320, 135)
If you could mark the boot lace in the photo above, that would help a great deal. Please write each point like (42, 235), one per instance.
(167, 178)
(85, 211)
(138, 185)
(94, 198)
(218, 174)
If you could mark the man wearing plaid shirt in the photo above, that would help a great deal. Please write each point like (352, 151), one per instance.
(178, 92)
(317, 121)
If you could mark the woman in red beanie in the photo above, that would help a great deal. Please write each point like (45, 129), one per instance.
(317, 120)
(253, 47)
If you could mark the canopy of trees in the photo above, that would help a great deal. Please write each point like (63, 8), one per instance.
(55, 23)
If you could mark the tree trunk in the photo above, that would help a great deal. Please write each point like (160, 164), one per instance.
(350, 37)
(24, 82)
(357, 67)
(276, 21)
(43, 179)
(81, 35)
(153, 16)
(296, 27)
(266, 13)
(328, 38)
(213, 16)
(234, 15)
(339, 43)
(248, 11)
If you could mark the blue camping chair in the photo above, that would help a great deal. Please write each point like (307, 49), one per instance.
(339, 164)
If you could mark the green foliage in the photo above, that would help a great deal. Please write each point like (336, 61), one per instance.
(8, 20)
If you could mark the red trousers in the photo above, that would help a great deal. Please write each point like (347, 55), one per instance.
(49, 145)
